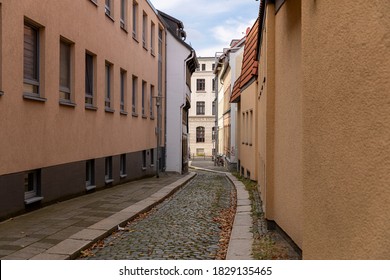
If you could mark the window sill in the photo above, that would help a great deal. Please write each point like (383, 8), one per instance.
(123, 113)
(134, 115)
(28, 96)
(152, 53)
(200, 91)
(1, 92)
(135, 38)
(33, 200)
(122, 176)
(90, 188)
(144, 116)
(152, 118)
(94, 2)
(90, 107)
(143, 168)
(152, 165)
(124, 29)
(109, 110)
(67, 103)
(110, 17)
(109, 181)
(145, 47)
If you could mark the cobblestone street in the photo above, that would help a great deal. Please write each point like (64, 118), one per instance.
(184, 226)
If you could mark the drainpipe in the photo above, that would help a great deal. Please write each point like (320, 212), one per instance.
(165, 103)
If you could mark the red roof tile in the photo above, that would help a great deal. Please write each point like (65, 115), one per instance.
(249, 63)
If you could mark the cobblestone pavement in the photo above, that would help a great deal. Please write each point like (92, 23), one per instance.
(182, 227)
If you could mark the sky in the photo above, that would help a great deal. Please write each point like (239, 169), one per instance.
(211, 24)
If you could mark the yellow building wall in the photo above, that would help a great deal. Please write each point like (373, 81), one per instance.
(287, 175)
(39, 134)
(248, 134)
(346, 129)
(266, 113)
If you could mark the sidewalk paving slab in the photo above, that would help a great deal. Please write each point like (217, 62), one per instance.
(62, 230)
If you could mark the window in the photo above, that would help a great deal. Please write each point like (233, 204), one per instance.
(144, 159)
(135, 19)
(108, 170)
(134, 95)
(214, 108)
(123, 172)
(200, 85)
(151, 157)
(144, 30)
(65, 71)
(250, 126)
(151, 111)
(213, 67)
(108, 88)
(32, 184)
(200, 134)
(213, 133)
(203, 67)
(89, 79)
(160, 42)
(90, 174)
(108, 8)
(152, 36)
(143, 98)
(200, 106)
(123, 20)
(123, 90)
(213, 85)
(31, 59)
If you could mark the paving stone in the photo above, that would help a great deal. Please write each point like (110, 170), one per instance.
(182, 227)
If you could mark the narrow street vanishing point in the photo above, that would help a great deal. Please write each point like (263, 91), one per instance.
(194, 223)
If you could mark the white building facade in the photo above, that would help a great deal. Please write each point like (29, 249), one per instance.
(203, 109)
(182, 63)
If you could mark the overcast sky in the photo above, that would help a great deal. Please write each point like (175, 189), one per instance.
(211, 24)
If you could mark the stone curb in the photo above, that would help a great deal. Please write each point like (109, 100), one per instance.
(241, 238)
(71, 247)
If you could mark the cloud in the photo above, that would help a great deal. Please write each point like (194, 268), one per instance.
(211, 24)
(200, 8)
(231, 29)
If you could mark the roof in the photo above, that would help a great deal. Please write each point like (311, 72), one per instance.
(175, 27)
(249, 63)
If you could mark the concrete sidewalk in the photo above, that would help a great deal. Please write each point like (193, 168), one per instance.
(62, 230)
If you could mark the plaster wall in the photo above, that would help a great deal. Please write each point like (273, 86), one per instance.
(248, 130)
(346, 129)
(266, 113)
(287, 203)
(41, 134)
(176, 98)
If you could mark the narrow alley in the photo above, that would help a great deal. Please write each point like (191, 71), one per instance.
(185, 226)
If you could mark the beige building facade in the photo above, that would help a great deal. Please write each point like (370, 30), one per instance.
(244, 94)
(323, 125)
(203, 109)
(77, 109)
